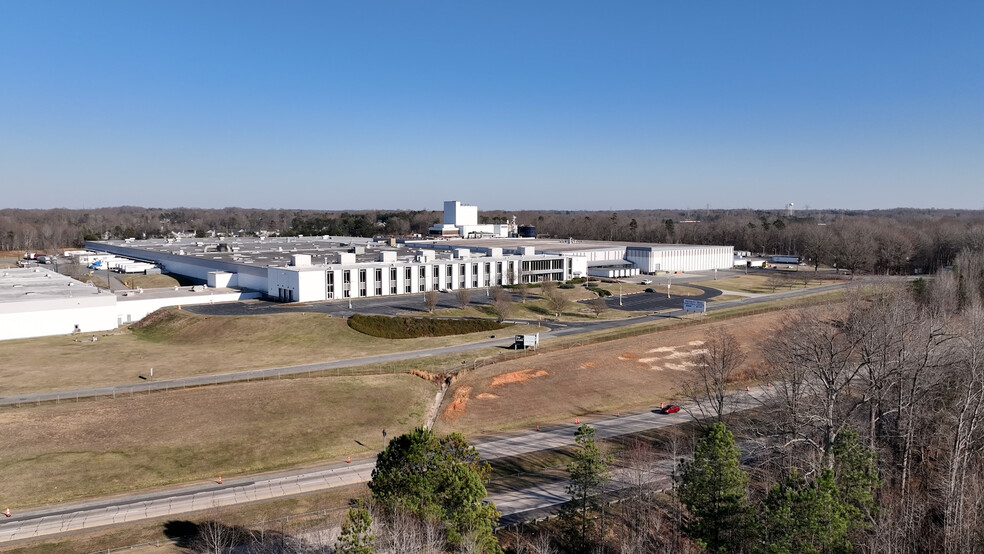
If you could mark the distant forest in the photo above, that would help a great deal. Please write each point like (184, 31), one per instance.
(882, 241)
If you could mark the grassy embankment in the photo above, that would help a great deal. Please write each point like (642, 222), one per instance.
(177, 343)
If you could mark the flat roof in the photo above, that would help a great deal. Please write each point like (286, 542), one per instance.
(260, 252)
(554, 245)
(30, 284)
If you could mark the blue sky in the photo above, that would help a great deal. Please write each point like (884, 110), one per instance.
(508, 105)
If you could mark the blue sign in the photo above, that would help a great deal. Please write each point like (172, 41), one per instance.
(695, 305)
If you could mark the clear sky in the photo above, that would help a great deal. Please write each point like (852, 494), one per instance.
(505, 104)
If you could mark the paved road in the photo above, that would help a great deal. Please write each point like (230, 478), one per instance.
(555, 328)
(183, 500)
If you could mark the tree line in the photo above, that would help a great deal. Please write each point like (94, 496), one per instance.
(883, 242)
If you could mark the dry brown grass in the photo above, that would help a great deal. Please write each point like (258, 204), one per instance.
(759, 284)
(177, 343)
(58, 453)
(292, 515)
(625, 374)
(151, 281)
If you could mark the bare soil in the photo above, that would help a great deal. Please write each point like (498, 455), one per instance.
(626, 374)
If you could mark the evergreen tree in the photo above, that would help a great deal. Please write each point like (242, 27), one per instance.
(856, 474)
(715, 490)
(588, 474)
(356, 536)
(437, 479)
(805, 517)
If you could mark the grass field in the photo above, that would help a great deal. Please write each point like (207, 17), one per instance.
(58, 453)
(177, 343)
(154, 281)
(759, 284)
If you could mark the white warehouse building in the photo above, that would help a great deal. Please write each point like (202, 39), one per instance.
(305, 269)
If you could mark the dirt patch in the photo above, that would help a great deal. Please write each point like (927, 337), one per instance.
(627, 374)
(457, 406)
(517, 377)
(428, 376)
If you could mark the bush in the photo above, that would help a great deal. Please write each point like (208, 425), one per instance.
(415, 327)
(565, 286)
(599, 291)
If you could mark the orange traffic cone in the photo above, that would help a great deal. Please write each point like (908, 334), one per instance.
(618, 414)
(537, 426)
(7, 512)
(348, 460)
(577, 421)
(660, 405)
(220, 479)
(747, 389)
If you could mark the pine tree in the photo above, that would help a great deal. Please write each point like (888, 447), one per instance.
(437, 479)
(356, 536)
(588, 474)
(715, 490)
(800, 516)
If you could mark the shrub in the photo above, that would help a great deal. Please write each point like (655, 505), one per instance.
(416, 327)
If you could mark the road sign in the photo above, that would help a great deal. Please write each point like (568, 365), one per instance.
(695, 306)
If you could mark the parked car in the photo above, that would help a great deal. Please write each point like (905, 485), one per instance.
(647, 281)
(670, 409)
(650, 290)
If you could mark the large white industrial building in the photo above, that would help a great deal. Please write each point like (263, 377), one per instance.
(306, 269)
(37, 302)
(309, 269)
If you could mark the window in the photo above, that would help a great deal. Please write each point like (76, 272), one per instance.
(392, 280)
(362, 282)
(330, 284)
(379, 281)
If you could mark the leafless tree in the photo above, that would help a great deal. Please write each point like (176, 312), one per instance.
(715, 367)
(431, 299)
(502, 304)
(556, 300)
(815, 361)
(967, 437)
(214, 537)
(598, 306)
(524, 291)
(463, 296)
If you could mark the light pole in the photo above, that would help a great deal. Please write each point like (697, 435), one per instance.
(620, 293)
(668, 285)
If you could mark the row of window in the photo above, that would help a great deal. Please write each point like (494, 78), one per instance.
(462, 282)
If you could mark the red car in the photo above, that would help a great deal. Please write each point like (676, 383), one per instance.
(671, 409)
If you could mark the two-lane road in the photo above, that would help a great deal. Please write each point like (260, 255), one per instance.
(183, 500)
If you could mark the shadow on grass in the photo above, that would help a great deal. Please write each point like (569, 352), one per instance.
(214, 536)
